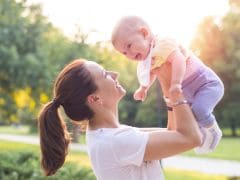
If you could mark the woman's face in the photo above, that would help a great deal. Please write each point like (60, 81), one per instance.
(109, 89)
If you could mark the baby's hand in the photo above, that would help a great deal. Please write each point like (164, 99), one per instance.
(140, 94)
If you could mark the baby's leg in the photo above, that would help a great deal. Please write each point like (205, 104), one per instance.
(203, 104)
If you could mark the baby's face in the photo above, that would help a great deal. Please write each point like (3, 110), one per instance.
(134, 45)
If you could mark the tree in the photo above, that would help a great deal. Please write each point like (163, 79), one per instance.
(32, 51)
(217, 43)
(20, 61)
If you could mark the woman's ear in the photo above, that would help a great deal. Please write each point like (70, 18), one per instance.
(94, 99)
(144, 31)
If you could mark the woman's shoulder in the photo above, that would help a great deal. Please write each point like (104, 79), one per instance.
(121, 130)
(127, 135)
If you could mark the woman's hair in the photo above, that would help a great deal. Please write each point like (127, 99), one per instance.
(72, 86)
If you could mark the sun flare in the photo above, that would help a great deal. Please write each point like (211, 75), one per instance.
(173, 18)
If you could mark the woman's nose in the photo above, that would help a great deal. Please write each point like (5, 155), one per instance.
(114, 75)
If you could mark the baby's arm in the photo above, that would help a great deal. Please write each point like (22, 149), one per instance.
(169, 50)
(141, 92)
(178, 61)
(152, 79)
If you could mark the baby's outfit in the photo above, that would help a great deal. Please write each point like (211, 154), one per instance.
(201, 87)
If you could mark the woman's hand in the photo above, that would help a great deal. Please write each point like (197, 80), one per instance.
(164, 77)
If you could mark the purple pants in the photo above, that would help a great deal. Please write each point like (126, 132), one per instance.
(203, 90)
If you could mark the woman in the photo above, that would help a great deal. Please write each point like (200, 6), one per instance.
(87, 91)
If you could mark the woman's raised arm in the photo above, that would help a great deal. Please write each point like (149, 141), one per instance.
(185, 135)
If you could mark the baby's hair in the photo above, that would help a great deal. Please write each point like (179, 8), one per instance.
(127, 23)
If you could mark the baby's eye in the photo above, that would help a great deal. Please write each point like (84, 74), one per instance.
(129, 46)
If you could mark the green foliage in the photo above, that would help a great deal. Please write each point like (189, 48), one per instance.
(217, 43)
(25, 165)
(83, 160)
(32, 52)
(21, 65)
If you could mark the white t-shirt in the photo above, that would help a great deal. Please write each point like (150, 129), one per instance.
(117, 154)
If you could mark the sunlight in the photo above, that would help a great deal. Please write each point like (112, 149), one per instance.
(173, 18)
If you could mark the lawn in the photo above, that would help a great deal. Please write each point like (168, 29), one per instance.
(21, 130)
(83, 160)
(176, 174)
(228, 149)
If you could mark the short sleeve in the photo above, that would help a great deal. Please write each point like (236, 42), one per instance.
(178, 55)
(129, 146)
(164, 47)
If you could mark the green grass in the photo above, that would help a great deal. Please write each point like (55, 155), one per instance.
(24, 130)
(83, 160)
(174, 174)
(15, 146)
(21, 130)
(228, 149)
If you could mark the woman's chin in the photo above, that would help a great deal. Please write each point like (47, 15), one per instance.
(122, 91)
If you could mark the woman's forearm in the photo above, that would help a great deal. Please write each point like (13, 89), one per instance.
(152, 129)
(185, 121)
(171, 124)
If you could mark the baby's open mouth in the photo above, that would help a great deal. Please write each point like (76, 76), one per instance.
(138, 56)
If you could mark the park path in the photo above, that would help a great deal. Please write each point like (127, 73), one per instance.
(204, 165)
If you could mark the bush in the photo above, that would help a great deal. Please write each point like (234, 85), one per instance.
(26, 166)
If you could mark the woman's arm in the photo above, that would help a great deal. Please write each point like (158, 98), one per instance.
(164, 76)
(152, 129)
(162, 144)
(171, 124)
(184, 133)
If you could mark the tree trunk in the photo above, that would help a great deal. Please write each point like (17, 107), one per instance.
(233, 128)
(159, 104)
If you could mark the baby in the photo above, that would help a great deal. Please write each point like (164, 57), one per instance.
(202, 88)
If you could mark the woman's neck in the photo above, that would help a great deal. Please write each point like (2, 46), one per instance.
(104, 119)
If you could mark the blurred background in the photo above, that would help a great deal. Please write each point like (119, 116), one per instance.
(37, 38)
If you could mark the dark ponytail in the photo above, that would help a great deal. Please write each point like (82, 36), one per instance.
(54, 139)
(72, 86)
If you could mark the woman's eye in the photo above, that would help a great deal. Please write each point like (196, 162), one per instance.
(106, 74)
